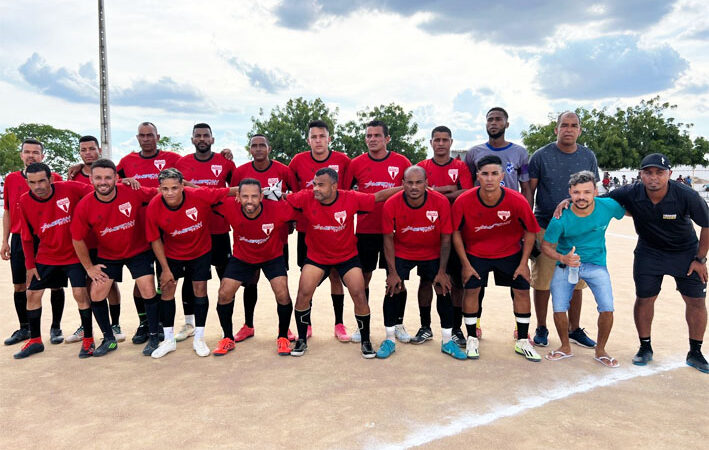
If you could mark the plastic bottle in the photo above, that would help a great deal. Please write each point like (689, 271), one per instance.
(573, 275)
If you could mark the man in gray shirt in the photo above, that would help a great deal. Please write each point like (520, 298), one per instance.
(550, 168)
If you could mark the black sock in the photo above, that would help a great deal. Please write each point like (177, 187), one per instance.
(225, 313)
(363, 324)
(481, 294)
(425, 315)
(139, 307)
(34, 316)
(390, 307)
(187, 296)
(695, 346)
(471, 328)
(151, 314)
(457, 317)
(115, 311)
(522, 324)
(87, 322)
(444, 306)
(400, 306)
(100, 310)
(201, 308)
(284, 313)
(302, 320)
(645, 343)
(21, 308)
(250, 299)
(57, 300)
(338, 306)
(167, 313)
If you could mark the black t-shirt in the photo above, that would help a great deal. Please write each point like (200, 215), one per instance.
(666, 226)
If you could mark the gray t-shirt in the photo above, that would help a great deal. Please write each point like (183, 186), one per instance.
(515, 162)
(553, 168)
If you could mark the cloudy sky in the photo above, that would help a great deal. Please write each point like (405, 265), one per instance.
(180, 62)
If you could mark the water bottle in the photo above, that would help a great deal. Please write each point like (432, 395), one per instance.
(573, 275)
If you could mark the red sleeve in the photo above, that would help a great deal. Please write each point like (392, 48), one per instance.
(56, 177)
(457, 213)
(388, 215)
(445, 216)
(213, 196)
(6, 202)
(147, 193)
(291, 180)
(152, 231)
(285, 211)
(227, 209)
(365, 202)
(465, 177)
(297, 200)
(27, 240)
(78, 188)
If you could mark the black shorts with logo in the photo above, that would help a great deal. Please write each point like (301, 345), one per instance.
(139, 266)
(651, 265)
(198, 269)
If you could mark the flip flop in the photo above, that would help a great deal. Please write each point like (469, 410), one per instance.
(608, 361)
(556, 355)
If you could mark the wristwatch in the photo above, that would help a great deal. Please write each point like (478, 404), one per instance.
(700, 260)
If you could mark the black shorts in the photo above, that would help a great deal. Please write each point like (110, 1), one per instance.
(453, 269)
(341, 268)
(302, 249)
(285, 256)
(503, 268)
(245, 272)
(139, 266)
(221, 249)
(370, 247)
(17, 259)
(651, 265)
(427, 270)
(52, 277)
(198, 269)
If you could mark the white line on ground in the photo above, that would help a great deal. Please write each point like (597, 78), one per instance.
(466, 421)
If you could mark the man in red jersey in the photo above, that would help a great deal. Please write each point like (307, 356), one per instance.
(304, 165)
(276, 178)
(489, 223)
(205, 168)
(114, 216)
(332, 245)
(46, 212)
(451, 177)
(417, 233)
(31, 151)
(371, 172)
(258, 246)
(177, 227)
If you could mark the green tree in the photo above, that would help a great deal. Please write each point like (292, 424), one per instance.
(168, 143)
(61, 147)
(9, 153)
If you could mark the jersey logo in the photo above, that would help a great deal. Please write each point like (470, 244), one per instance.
(432, 215)
(341, 216)
(273, 182)
(334, 167)
(664, 216)
(267, 228)
(125, 208)
(509, 167)
(453, 173)
(216, 169)
(63, 204)
(503, 215)
(393, 171)
(192, 213)
(159, 163)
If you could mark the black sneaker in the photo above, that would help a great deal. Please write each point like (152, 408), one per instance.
(458, 337)
(153, 343)
(367, 350)
(87, 348)
(643, 356)
(541, 337)
(696, 360)
(56, 336)
(31, 347)
(18, 336)
(422, 335)
(299, 349)
(579, 337)
(107, 345)
(141, 334)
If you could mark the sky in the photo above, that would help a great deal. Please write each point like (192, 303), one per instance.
(182, 62)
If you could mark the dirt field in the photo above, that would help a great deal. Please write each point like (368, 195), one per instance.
(332, 398)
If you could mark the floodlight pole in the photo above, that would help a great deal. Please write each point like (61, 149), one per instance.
(103, 84)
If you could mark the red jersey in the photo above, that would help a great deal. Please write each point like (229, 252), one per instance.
(81, 177)
(493, 231)
(453, 173)
(304, 166)
(330, 234)
(374, 175)
(15, 186)
(258, 240)
(118, 225)
(146, 169)
(417, 231)
(48, 220)
(185, 229)
(215, 172)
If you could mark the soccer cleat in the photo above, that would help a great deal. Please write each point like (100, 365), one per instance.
(244, 333)
(87, 348)
(643, 356)
(77, 336)
(341, 333)
(401, 334)
(118, 333)
(18, 336)
(165, 347)
(141, 334)
(291, 336)
(151, 346)
(459, 338)
(186, 331)
(200, 347)
(696, 360)
(32, 346)
(224, 346)
(471, 348)
(367, 350)
(356, 336)
(424, 334)
(451, 348)
(56, 336)
(107, 345)
(299, 349)
(310, 331)
(283, 346)
(541, 337)
(579, 337)
(386, 349)
(526, 349)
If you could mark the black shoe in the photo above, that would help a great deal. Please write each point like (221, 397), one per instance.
(696, 360)
(367, 350)
(30, 348)
(141, 334)
(300, 347)
(56, 336)
(422, 335)
(18, 336)
(87, 348)
(458, 337)
(153, 343)
(643, 356)
(107, 345)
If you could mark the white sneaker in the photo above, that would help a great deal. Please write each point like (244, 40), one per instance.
(186, 331)
(165, 347)
(356, 337)
(401, 334)
(118, 333)
(525, 348)
(200, 347)
(471, 348)
(76, 337)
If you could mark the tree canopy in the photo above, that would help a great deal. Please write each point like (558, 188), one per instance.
(61, 147)
(9, 153)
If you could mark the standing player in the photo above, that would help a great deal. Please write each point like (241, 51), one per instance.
(371, 172)
(490, 221)
(417, 233)
(451, 177)
(304, 166)
(31, 151)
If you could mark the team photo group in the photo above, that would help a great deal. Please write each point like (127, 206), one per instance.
(535, 224)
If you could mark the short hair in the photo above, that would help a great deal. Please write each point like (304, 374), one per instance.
(31, 141)
(148, 124)
(201, 125)
(585, 176)
(260, 135)
(442, 129)
(250, 182)
(37, 167)
(416, 169)
(329, 172)
(89, 138)
(497, 108)
(488, 159)
(379, 123)
(103, 163)
(558, 119)
(318, 124)
(168, 174)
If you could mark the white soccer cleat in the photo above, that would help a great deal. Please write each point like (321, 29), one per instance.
(401, 334)
(186, 331)
(200, 347)
(165, 347)
(356, 337)
(526, 349)
(471, 348)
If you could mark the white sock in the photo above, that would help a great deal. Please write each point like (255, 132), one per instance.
(446, 334)
(189, 319)
(169, 333)
(199, 333)
(391, 332)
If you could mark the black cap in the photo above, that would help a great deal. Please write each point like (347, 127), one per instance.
(655, 160)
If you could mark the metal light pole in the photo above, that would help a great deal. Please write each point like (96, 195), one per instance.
(103, 84)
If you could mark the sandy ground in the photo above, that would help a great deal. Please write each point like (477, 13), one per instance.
(332, 398)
